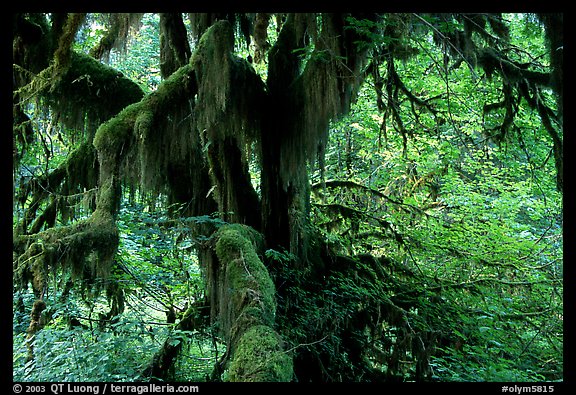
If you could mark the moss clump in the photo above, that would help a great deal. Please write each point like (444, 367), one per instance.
(259, 357)
(85, 250)
(247, 308)
(112, 133)
(93, 90)
(141, 142)
(244, 280)
(230, 93)
(211, 62)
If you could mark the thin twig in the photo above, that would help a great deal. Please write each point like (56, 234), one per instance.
(305, 344)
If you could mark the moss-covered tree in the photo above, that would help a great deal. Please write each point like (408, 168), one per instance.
(192, 140)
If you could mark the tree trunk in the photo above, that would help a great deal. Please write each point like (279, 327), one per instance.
(301, 105)
(35, 326)
(246, 308)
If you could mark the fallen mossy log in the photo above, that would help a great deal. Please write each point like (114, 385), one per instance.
(246, 308)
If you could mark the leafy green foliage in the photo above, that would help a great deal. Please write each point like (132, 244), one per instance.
(478, 219)
(158, 275)
(444, 211)
(142, 64)
(78, 355)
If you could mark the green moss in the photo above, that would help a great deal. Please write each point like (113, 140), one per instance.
(247, 308)
(112, 133)
(62, 53)
(211, 63)
(246, 279)
(248, 233)
(85, 249)
(116, 130)
(141, 141)
(94, 88)
(259, 357)
(230, 93)
(177, 86)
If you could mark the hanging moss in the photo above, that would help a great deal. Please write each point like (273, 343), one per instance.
(212, 100)
(85, 249)
(306, 95)
(211, 63)
(137, 130)
(139, 122)
(229, 88)
(165, 141)
(91, 92)
(117, 35)
(227, 114)
(82, 93)
(85, 95)
(66, 39)
(323, 91)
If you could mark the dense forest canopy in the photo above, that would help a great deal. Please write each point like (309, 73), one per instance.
(309, 197)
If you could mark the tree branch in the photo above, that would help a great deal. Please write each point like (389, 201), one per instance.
(352, 184)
